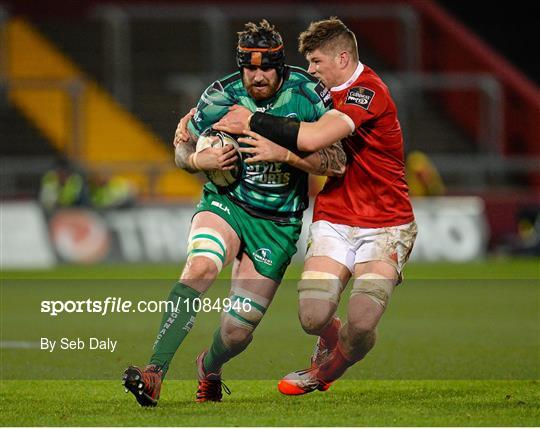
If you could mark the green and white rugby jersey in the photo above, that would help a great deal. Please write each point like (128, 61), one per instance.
(271, 190)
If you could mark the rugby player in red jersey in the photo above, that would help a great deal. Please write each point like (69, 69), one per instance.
(363, 223)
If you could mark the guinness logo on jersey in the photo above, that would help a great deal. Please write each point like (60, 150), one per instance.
(360, 96)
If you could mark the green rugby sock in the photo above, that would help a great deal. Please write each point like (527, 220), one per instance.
(175, 325)
(218, 354)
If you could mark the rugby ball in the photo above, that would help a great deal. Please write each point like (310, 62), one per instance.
(219, 139)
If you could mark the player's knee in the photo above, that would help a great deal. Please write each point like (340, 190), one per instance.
(312, 321)
(235, 336)
(319, 294)
(207, 253)
(200, 268)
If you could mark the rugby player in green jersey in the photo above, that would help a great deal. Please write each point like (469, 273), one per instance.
(253, 224)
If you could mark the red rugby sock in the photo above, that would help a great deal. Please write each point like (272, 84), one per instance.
(335, 366)
(330, 334)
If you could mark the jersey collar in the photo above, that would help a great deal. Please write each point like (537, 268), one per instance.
(357, 72)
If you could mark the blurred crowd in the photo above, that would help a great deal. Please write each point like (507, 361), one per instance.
(422, 176)
(65, 185)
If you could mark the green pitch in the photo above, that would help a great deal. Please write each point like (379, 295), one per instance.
(459, 346)
(257, 403)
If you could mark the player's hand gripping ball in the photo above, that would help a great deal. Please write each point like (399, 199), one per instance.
(221, 178)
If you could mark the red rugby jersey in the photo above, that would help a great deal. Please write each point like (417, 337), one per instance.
(373, 193)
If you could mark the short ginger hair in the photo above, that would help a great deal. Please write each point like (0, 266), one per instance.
(329, 35)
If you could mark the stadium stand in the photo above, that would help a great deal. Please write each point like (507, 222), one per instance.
(82, 120)
(20, 138)
(169, 71)
(169, 61)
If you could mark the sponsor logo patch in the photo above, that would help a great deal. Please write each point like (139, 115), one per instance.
(263, 255)
(324, 93)
(360, 96)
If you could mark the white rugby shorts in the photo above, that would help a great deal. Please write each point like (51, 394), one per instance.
(351, 245)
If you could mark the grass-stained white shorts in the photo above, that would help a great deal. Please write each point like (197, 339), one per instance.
(350, 245)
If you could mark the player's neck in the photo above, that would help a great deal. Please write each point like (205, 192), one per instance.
(348, 75)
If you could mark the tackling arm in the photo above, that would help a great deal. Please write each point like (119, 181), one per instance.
(329, 161)
(304, 136)
(291, 134)
(331, 127)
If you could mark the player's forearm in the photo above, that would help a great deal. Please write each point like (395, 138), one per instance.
(314, 136)
(184, 157)
(333, 160)
(302, 136)
(330, 161)
(311, 163)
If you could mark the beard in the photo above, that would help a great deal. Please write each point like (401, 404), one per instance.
(262, 90)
